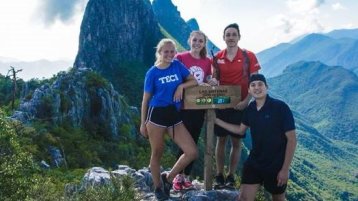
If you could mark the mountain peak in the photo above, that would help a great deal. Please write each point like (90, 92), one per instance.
(112, 33)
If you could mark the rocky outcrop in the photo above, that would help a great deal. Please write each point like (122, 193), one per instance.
(144, 185)
(114, 32)
(169, 17)
(117, 40)
(193, 24)
(80, 97)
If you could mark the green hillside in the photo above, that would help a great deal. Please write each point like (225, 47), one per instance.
(322, 169)
(324, 94)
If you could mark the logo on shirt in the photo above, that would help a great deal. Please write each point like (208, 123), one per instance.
(221, 61)
(198, 73)
(169, 78)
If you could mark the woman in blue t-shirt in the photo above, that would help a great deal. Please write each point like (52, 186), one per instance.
(163, 91)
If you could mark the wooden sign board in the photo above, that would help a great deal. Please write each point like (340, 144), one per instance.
(212, 97)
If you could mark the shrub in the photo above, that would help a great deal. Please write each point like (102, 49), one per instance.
(16, 166)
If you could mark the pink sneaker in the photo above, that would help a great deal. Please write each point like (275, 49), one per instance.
(187, 183)
(178, 182)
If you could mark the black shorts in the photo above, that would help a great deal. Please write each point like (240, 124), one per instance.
(231, 116)
(165, 117)
(251, 175)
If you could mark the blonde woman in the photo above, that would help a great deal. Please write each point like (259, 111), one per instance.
(163, 91)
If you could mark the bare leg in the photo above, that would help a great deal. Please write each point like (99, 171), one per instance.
(220, 154)
(248, 192)
(156, 140)
(186, 143)
(235, 154)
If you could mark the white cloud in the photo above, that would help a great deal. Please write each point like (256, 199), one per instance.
(299, 6)
(50, 11)
(338, 6)
(302, 17)
(286, 27)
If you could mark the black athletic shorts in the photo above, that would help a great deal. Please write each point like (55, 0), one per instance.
(251, 175)
(164, 116)
(231, 116)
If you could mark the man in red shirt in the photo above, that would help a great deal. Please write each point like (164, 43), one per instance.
(235, 65)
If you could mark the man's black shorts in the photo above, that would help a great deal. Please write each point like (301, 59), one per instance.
(251, 175)
(165, 117)
(231, 116)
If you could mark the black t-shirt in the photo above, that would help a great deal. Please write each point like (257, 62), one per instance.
(268, 127)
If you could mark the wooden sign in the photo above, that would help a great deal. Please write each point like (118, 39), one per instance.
(212, 97)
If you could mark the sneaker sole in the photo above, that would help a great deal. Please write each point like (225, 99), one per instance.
(189, 188)
(177, 190)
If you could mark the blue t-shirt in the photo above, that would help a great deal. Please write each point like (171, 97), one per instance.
(268, 127)
(162, 83)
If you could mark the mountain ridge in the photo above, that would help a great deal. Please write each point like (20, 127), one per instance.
(303, 83)
(313, 47)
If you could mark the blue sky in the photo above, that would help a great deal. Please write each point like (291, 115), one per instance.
(49, 29)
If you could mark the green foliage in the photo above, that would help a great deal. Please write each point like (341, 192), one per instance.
(84, 149)
(328, 100)
(16, 166)
(128, 78)
(95, 80)
(24, 89)
(22, 180)
(5, 90)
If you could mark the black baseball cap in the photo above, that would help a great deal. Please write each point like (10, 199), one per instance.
(257, 77)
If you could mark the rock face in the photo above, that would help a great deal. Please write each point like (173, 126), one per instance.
(193, 24)
(169, 17)
(115, 32)
(82, 98)
(118, 40)
(144, 185)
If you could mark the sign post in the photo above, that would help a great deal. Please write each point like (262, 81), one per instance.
(209, 149)
(211, 98)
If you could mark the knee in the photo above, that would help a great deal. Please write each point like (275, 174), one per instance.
(192, 154)
(157, 153)
(221, 141)
(236, 144)
(243, 197)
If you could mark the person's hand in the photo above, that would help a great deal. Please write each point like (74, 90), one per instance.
(282, 177)
(143, 130)
(178, 95)
(241, 105)
(205, 84)
(213, 82)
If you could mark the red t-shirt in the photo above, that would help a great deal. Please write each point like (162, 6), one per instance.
(199, 68)
(232, 73)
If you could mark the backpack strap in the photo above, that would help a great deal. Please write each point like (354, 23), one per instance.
(216, 73)
(246, 66)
